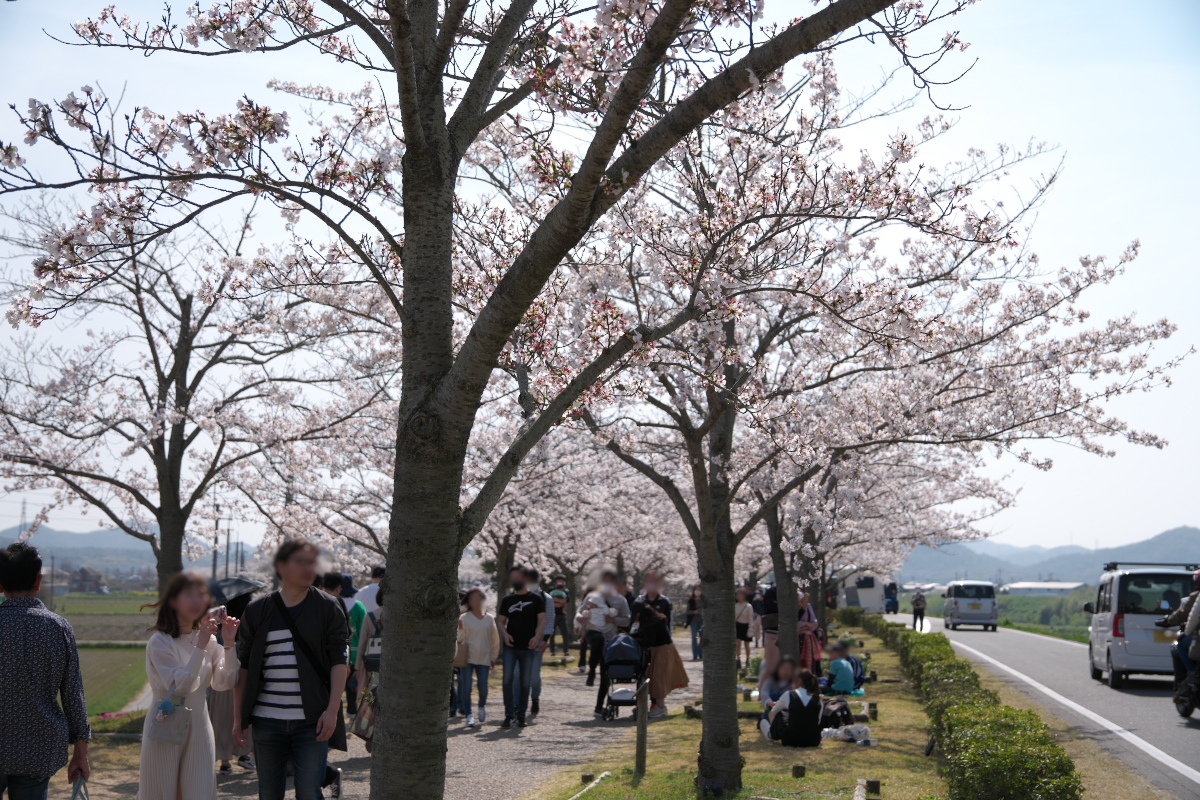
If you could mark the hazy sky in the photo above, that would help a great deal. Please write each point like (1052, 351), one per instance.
(1115, 84)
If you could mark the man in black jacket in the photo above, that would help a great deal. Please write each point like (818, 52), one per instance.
(293, 646)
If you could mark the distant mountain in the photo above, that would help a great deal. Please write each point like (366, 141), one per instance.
(1005, 563)
(1022, 555)
(106, 550)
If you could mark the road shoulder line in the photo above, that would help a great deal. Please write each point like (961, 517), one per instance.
(1147, 748)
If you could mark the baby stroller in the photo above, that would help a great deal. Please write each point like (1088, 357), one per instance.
(625, 662)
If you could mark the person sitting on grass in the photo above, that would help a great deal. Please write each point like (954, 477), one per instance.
(779, 683)
(841, 671)
(795, 719)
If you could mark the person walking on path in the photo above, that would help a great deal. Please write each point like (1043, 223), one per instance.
(369, 595)
(651, 614)
(183, 660)
(341, 586)
(521, 618)
(533, 580)
(562, 625)
(602, 616)
(695, 619)
(477, 629)
(293, 647)
(44, 709)
(743, 617)
(919, 604)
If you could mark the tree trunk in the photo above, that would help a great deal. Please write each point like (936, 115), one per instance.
(785, 589)
(720, 762)
(506, 556)
(425, 546)
(170, 547)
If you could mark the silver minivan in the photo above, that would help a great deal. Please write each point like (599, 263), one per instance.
(971, 603)
(1123, 637)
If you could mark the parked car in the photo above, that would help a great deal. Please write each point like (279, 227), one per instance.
(971, 603)
(1123, 636)
(891, 599)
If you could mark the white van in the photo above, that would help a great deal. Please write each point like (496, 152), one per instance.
(971, 603)
(1123, 636)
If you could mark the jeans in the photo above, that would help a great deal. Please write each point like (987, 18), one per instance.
(278, 741)
(352, 693)
(480, 673)
(24, 787)
(518, 681)
(535, 686)
(1181, 648)
(696, 624)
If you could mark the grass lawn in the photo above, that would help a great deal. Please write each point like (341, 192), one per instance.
(1071, 634)
(107, 617)
(77, 604)
(112, 676)
(832, 769)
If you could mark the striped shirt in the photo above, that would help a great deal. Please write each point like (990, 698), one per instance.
(279, 697)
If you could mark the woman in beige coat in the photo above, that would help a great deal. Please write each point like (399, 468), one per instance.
(477, 629)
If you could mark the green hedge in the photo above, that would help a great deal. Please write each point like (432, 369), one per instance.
(991, 752)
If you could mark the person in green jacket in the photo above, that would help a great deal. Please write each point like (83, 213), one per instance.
(340, 584)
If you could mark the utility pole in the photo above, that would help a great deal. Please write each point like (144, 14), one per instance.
(24, 524)
(216, 537)
(51, 565)
(228, 530)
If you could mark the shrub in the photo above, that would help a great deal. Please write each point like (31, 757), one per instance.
(990, 751)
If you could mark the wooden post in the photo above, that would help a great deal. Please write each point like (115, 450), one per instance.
(746, 695)
(873, 788)
(588, 777)
(643, 724)
(873, 710)
(798, 770)
(873, 676)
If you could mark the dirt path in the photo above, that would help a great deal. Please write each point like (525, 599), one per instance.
(488, 763)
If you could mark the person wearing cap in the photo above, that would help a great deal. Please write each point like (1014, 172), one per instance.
(561, 625)
(341, 585)
(369, 595)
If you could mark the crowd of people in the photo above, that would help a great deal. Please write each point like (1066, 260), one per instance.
(270, 684)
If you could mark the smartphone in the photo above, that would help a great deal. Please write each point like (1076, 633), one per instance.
(220, 614)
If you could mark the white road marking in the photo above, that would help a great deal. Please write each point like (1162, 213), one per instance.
(1141, 744)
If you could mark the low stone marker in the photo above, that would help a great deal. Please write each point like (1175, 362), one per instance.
(873, 788)
(588, 777)
(798, 770)
(873, 710)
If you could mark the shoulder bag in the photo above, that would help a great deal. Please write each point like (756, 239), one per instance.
(172, 721)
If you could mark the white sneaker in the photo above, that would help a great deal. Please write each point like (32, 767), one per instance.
(481, 715)
(470, 720)
(657, 711)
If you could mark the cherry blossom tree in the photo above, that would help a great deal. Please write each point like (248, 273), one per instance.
(164, 388)
(595, 96)
(838, 343)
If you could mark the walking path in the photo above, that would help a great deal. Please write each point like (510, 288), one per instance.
(487, 763)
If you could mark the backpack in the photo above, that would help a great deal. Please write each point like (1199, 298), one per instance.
(373, 651)
(836, 713)
(860, 676)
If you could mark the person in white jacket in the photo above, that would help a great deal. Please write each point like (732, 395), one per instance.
(478, 630)
(183, 659)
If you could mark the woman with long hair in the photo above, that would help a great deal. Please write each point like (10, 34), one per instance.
(743, 616)
(477, 629)
(183, 659)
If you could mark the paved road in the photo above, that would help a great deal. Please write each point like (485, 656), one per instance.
(1059, 669)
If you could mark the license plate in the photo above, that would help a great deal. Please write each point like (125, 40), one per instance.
(976, 606)
(1167, 637)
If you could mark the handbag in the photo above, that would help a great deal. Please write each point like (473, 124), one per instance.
(172, 721)
(462, 654)
(373, 652)
(363, 725)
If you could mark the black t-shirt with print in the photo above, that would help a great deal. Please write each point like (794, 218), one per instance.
(522, 612)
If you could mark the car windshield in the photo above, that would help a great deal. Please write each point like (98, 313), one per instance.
(971, 591)
(1152, 594)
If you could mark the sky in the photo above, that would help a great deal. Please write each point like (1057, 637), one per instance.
(1114, 85)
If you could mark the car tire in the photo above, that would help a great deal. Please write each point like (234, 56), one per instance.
(1116, 680)
(1097, 674)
